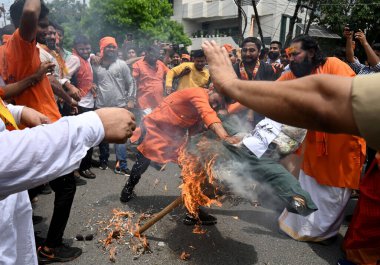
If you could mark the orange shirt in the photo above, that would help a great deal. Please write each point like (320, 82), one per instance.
(333, 159)
(150, 83)
(167, 125)
(21, 59)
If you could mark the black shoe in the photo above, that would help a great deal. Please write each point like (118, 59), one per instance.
(37, 219)
(298, 206)
(88, 174)
(45, 189)
(103, 166)
(204, 219)
(62, 253)
(125, 172)
(79, 181)
(127, 193)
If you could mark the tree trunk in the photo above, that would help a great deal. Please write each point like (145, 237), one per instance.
(292, 23)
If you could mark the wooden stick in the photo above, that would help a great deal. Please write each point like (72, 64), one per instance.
(159, 216)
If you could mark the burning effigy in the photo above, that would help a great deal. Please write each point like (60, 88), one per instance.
(209, 164)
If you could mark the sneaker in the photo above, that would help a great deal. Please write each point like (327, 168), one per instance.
(88, 174)
(103, 166)
(62, 253)
(127, 193)
(125, 172)
(79, 181)
(203, 219)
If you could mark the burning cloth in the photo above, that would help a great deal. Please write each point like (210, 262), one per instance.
(253, 161)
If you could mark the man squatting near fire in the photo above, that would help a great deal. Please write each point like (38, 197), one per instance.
(163, 133)
(338, 105)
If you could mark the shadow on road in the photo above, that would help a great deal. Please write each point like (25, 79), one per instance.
(209, 248)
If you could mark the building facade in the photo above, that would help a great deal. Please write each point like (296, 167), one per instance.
(218, 19)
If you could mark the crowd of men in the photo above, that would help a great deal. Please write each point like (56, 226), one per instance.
(174, 95)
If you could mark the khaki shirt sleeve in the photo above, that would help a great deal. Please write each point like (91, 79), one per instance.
(366, 107)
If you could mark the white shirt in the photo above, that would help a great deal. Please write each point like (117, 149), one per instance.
(73, 65)
(29, 158)
(263, 134)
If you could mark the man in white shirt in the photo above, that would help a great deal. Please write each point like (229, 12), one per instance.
(31, 157)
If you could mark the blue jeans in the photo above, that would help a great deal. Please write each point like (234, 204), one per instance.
(121, 155)
(120, 151)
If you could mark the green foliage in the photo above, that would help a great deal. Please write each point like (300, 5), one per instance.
(146, 20)
(363, 14)
(68, 14)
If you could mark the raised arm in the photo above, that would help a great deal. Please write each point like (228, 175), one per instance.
(349, 49)
(29, 19)
(372, 58)
(317, 102)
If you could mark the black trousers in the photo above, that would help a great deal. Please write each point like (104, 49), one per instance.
(140, 166)
(86, 161)
(64, 188)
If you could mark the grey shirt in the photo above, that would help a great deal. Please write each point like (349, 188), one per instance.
(115, 85)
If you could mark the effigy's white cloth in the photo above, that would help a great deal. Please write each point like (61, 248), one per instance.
(323, 223)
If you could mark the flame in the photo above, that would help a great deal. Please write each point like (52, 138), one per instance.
(197, 173)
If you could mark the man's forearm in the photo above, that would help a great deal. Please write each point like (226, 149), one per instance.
(59, 91)
(50, 155)
(12, 90)
(372, 58)
(29, 19)
(349, 51)
(219, 130)
(314, 102)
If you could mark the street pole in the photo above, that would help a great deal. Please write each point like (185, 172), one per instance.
(258, 22)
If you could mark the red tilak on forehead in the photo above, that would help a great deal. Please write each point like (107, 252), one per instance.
(291, 50)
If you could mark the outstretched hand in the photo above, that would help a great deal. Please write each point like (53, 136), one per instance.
(220, 66)
(118, 124)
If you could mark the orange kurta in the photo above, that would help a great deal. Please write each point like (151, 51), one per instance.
(21, 59)
(333, 159)
(167, 125)
(150, 83)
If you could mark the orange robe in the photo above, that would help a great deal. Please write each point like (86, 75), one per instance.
(150, 83)
(333, 159)
(166, 127)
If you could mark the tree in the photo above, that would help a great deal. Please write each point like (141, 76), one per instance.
(359, 14)
(146, 20)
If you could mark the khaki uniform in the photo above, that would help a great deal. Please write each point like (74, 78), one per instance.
(366, 107)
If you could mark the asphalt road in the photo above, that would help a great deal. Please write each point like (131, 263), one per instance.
(244, 234)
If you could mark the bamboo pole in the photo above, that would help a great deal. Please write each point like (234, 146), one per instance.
(177, 202)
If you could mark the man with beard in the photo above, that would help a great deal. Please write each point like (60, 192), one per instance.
(115, 88)
(251, 68)
(67, 101)
(189, 74)
(150, 74)
(332, 162)
(274, 52)
(164, 131)
(30, 19)
(338, 104)
(80, 71)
